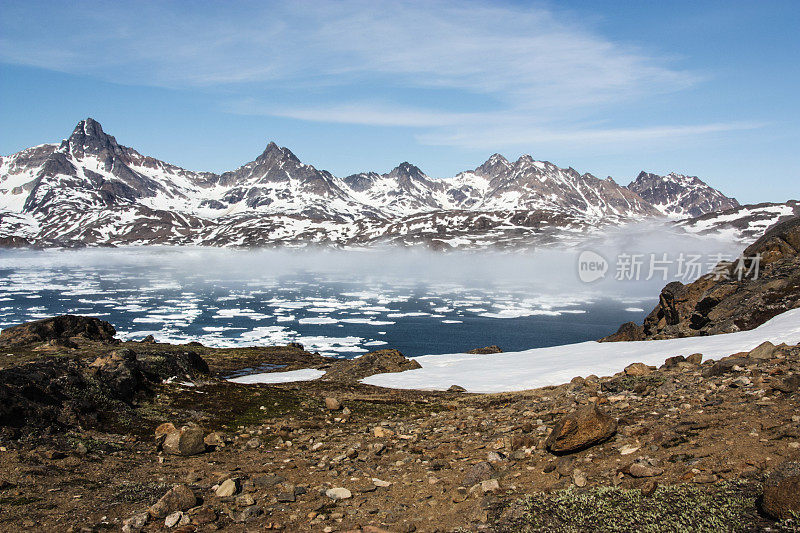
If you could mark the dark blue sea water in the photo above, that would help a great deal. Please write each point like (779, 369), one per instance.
(341, 311)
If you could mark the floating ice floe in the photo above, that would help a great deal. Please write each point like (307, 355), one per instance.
(540, 367)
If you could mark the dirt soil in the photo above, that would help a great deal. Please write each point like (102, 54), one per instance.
(693, 445)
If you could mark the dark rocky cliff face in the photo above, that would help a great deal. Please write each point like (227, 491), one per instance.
(709, 305)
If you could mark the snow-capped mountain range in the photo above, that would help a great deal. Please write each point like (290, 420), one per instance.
(90, 190)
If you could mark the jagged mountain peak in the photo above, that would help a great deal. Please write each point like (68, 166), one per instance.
(91, 173)
(680, 195)
(89, 137)
(276, 154)
(493, 166)
(407, 169)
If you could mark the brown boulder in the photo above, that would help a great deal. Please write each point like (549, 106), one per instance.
(178, 498)
(782, 491)
(188, 440)
(765, 350)
(332, 404)
(583, 429)
(638, 369)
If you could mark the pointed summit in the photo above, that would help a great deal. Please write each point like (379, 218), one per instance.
(493, 166)
(274, 154)
(88, 137)
(409, 171)
(678, 195)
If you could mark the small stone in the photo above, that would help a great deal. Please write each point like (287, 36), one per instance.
(638, 369)
(628, 449)
(173, 519)
(494, 457)
(286, 497)
(644, 470)
(478, 472)
(672, 362)
(695, 358)
(338, 493)
(203, 515)
(379, 483)
(579, 478)
(649, 488)
(228, 488)
(490, 485)
(135, 523)
(788, 385)
(246, 500)
(740, 382)
(382, 432)
(215, 439)
(332, 404)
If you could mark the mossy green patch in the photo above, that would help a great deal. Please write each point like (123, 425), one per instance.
(678, 508)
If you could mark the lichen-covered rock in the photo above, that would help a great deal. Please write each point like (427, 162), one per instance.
(62, 329)
(583, 429)
(782, 491)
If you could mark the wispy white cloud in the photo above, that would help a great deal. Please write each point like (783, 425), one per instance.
(580, 135)
(516, 53)
(368, 62)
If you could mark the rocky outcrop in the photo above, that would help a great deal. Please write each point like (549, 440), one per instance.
(378, 362)
(60, 393)
(486, 350)
(64, 330)
(720, 302)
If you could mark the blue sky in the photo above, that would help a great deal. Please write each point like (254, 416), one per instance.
(611, 88)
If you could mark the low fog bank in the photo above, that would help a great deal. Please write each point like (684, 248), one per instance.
(552, 270)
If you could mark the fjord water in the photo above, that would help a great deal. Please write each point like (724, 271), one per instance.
(339, 303)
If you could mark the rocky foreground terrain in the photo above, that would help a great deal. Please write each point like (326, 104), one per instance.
(97, 434)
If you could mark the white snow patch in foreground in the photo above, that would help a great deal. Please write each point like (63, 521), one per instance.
(306, 374)
(540, 367)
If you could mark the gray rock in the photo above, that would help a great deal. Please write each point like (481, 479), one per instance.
(338, 493)
(228, 488)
